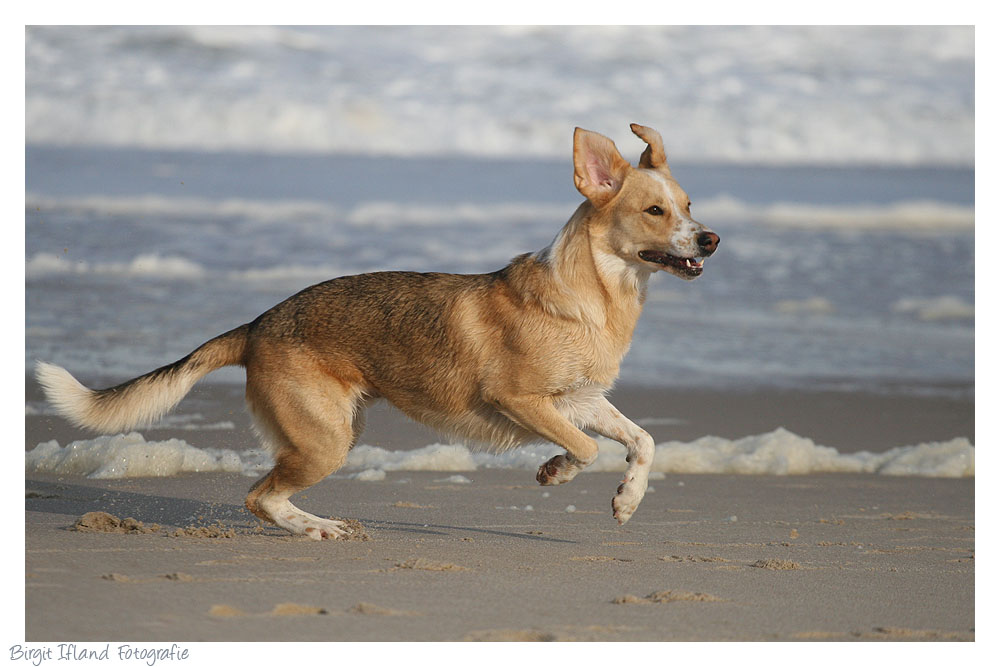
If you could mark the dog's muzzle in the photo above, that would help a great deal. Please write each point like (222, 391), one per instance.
(689, 267)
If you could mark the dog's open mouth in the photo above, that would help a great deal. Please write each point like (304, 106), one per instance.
(691, 266)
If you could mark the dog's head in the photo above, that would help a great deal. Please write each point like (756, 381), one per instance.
(647, 214)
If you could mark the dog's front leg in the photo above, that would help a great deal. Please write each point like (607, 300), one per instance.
(538, 414)
(639, 445)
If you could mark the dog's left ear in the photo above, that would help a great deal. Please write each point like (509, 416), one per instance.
(654, 157)
(599, 169)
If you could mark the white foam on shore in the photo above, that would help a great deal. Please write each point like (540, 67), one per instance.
(131, 455)
(779, 452)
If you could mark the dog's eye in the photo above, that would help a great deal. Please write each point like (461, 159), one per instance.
(654, 210)
(689, 207)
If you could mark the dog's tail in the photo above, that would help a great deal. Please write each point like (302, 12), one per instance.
(143, 400)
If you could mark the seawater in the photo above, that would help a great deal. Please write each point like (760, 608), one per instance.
(851, 277)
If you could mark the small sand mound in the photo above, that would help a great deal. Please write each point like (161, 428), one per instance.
(102, 522)
(427, 564)
(776, 564)
(694, 559)
(511, 636)
(212, 531)
(663, 597)
(354, 530)
(295, 609)
(369, 609)
(281, 609)
(225, 610)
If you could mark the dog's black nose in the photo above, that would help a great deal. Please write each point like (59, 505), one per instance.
(708, 242)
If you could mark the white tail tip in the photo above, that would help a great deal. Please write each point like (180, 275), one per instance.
(70, 398)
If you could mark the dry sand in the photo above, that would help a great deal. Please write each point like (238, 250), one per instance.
(706, 557)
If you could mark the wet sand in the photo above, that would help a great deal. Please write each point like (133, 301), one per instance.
(706, 557)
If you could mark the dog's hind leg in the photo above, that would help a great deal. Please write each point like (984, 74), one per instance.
(639, 447)
(311, 429)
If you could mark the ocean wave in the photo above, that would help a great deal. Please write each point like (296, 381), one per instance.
(903, 216)
(913, 215)
(198, 208)
(395, 214)
(145, 265)
(762, 94)
(816, 305)
(936, 308)
(779, 452)
(379, 214)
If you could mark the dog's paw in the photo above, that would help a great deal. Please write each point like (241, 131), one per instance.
(556, 470)
(627, 499)
(325, 533)
(322, 529)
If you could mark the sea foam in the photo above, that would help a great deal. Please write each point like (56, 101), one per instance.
(131, 455)
(779, 452)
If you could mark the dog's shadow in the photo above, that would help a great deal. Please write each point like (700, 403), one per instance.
(76, 500)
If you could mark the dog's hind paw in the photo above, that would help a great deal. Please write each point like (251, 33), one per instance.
(327, 530)
(313, 527)
(324, 533)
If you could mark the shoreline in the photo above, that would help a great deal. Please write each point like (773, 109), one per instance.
(847, 421)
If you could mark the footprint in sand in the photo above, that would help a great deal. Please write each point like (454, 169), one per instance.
(281, 609)
(297, 609)
(663, 597)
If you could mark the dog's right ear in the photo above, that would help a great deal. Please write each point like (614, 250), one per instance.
(599, 169)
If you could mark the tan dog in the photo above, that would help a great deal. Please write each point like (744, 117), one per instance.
(523, 354)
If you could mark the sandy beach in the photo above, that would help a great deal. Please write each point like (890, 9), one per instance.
(494, 557)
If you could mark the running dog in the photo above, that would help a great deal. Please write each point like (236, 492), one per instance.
(523, 354)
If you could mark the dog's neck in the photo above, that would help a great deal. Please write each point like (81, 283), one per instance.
(586, 280)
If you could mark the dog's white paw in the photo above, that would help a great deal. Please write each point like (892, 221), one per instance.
(329, 530)
(314, 527)
(626, 501)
